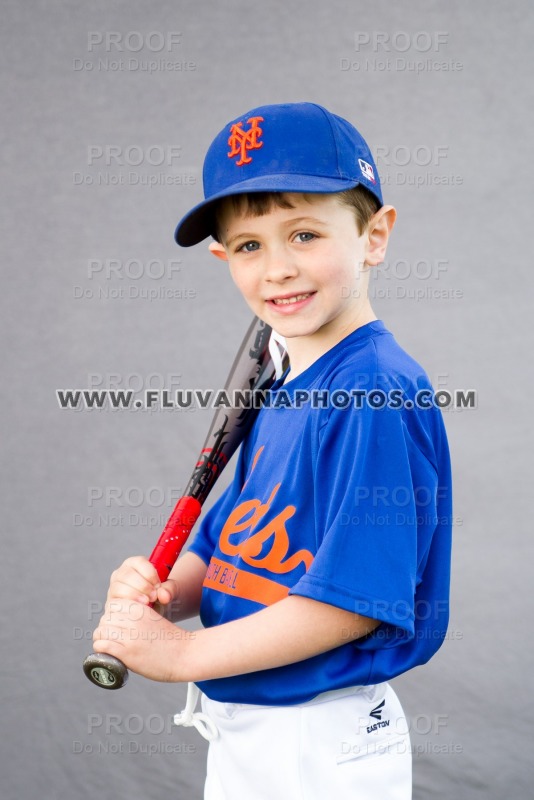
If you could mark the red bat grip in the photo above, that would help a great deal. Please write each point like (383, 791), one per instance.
(175, 535)
(107, 671)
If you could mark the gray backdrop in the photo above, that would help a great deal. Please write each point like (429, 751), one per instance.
(107, 110)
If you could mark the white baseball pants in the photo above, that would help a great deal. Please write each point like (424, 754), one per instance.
(349, 744)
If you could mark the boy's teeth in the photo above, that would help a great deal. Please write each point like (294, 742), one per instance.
(294, 299)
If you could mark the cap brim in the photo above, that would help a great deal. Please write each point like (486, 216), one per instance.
(196, 225)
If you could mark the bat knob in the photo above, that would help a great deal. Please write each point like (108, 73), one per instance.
(105, 671)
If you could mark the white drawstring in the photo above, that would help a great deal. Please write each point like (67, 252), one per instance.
(275, 343)
(196, 719)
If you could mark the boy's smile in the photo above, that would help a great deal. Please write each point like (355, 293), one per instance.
(304, 270)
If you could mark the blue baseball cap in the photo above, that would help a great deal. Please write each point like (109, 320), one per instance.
(291, 147)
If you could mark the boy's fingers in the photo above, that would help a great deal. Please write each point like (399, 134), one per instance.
(167, 591)
(136, 579)
(144, 593)
(142, 565)
(131, 585)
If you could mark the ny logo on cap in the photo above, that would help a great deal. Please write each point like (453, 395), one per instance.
(240, 141)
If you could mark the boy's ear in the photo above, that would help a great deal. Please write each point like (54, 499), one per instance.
(218, 250)
(380, 226)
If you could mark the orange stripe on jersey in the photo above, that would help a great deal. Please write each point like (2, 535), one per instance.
(224, 577)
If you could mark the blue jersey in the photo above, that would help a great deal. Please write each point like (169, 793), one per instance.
(342, 493)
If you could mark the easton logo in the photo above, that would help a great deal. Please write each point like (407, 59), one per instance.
(240, 141)
(377, 712)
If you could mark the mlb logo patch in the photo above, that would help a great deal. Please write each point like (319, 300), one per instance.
(367, 170)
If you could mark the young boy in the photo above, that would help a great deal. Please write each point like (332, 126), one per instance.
(337, 523)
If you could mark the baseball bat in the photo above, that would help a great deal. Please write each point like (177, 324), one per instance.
(253, 372)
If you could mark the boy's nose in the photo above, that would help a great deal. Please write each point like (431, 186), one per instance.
(280, 265)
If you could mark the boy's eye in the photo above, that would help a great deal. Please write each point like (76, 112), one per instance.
(248, 247)
(305, 236)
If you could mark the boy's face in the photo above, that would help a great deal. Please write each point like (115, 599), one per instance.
(303, 270)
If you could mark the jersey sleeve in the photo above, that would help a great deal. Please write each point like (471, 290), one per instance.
(375, 517)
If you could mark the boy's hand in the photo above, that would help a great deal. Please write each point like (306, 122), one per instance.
(137, 580)
(138, 635)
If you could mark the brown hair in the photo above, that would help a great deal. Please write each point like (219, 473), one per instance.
(257, 204)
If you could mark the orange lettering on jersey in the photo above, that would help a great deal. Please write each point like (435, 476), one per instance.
(241, 141)
(226, 578)
(248, 515)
